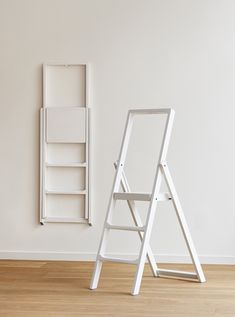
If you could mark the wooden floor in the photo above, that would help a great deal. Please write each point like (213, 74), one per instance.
(41, 289)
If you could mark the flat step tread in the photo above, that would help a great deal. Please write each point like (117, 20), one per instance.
(118, 260)
(127, 228)
(141, 196)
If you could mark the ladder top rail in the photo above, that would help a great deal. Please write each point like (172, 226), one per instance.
(151, 111)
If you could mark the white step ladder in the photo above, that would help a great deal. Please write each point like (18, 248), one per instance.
(154, 197)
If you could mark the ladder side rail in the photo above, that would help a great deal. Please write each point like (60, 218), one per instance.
(44, 84)
(88, 87)
(153, 203)
(115, 187)
(167, 136)
(183, 223)
(87, 174)
(42, 165)
(43, 149)
(88, 163)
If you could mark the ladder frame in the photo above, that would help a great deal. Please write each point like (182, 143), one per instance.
(162, 171)
(45, 164)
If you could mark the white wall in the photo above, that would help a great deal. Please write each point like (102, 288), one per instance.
(144, 54)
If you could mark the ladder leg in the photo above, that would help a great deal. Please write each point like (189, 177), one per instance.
(98, 263)
(143, 251)
(111, 206)
(147, 234)
(96, 274)
(102, 247)
(153, 204)
(183, 223)
(138, 222)
(139, 273)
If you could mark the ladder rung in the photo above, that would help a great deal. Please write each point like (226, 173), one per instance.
(65, 192)
(109, 259)
(141, 196)
(182, 274)
(133, 196)
(128, 228)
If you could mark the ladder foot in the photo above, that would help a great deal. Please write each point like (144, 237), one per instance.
(96, 275)
(202, 279)
(133, 293)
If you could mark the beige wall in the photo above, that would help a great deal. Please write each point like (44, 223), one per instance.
(144, 54)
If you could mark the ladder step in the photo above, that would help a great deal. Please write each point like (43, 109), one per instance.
(118, 260)
(182, 274)
(141, 196)
(128, 228)
(133, 196)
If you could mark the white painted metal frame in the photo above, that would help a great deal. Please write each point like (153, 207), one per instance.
(144, 231)
(44, 164)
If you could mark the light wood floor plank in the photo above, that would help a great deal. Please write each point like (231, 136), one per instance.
(60, 289)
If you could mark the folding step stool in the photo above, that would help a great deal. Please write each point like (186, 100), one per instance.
(144, 231)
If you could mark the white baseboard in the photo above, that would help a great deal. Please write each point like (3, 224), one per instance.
(75, 256)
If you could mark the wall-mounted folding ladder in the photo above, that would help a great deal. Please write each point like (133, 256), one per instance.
(144, 230)
(65, 140)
